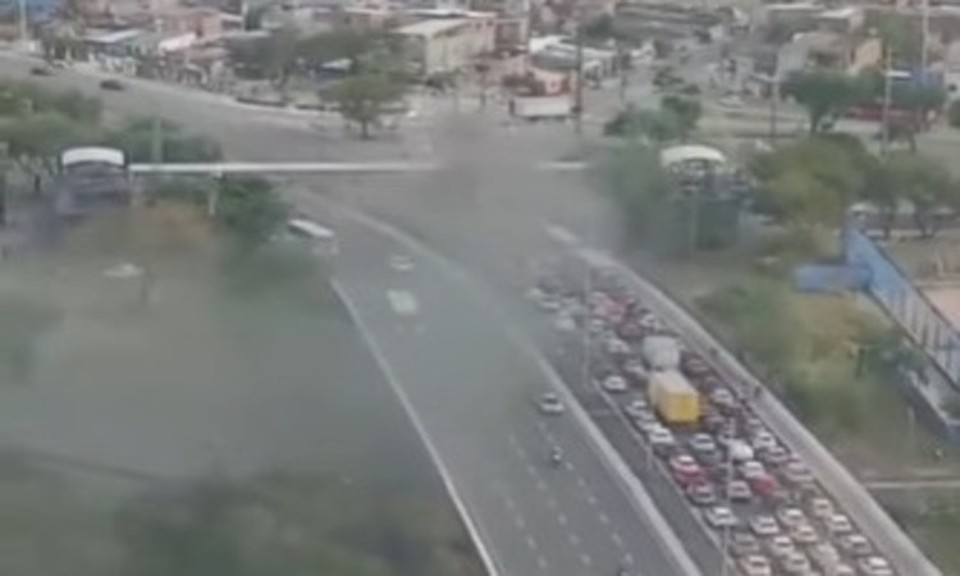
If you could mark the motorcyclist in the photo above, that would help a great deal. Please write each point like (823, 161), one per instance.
(556, 456)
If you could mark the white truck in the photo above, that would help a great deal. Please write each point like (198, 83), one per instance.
(542, 107)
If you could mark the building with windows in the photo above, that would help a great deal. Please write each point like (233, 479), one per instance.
(438, 46)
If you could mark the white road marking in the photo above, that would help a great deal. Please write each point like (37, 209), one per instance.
(574, 539)
(541, 485)
(604, 519)
(550, 437)
(552, 502)
(586, 560)
(617, 540)
(531, 470)
(531, 543)
(542, 562)
(542, 425)
(519, 521)
(511, 505)
(581, 482)
(562, 519)
(628, 559)
(570, 466)
(513, 440)
(592, 499)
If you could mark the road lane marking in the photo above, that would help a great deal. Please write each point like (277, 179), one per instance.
(542, 425)
(542, 562)
(531, 543)
(511, 505)
(581, 482)
(628, 559)
(570, 466)
(552, 502)
(617, 540)
(531, 470)
(604, 519)
(541, 485)
(586, 560)
(519, 521)
(592, 499)
(562, 519)
(512, 439)
(574, 539)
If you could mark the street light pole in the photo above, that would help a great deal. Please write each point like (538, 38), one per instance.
(578, 89)
(887, 95)
(22, 5)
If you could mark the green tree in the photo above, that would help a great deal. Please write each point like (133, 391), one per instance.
(633, 177)
(365, 98)
(366, 51)
(811, 183)
(687, 110)
(824, 95)
(271, 57)
(926, 185)
(34, 141)
(249, 209)
(139, 136)
(654, 126)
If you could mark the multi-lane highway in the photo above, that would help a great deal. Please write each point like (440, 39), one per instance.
(472, 390)
(469, 387)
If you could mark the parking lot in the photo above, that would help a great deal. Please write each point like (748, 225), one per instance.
(715, 467)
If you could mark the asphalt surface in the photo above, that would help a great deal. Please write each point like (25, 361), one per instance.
(472, 389)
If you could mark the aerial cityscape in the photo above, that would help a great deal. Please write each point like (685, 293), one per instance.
(480, 287)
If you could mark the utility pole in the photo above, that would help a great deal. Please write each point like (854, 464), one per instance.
(774, 101)
(887, 95)
(924, 46)
(156, 140)
(23, 22)
(578, 94)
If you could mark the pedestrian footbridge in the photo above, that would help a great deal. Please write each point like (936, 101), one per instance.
(227, 168)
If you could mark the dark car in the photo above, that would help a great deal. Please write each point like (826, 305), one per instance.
(41, 71)
(112, 84)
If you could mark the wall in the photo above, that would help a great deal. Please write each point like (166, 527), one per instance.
(893, 289)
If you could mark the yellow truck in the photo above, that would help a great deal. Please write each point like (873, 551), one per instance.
(674, 398)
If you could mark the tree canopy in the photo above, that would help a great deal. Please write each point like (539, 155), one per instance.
(364, 99)
(824, 95)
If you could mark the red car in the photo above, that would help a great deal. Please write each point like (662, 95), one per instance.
(686, 471)
(766, 487)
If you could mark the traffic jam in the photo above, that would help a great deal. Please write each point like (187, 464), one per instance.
(756, 499)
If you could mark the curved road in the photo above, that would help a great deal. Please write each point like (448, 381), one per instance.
(471, 388)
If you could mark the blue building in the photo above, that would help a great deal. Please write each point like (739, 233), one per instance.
(37, 10)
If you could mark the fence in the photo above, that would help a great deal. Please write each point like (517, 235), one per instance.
(909, 307)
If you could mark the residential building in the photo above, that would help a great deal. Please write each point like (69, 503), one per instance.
(365, 17)
(847, 20)
(847, 53)
(448, 45)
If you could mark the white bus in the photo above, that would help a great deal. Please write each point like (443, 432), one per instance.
(323, 241)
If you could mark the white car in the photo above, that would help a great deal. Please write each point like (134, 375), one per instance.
(617, 347)
(763, 440)
(875, 566)
(825, 555)
(821, 508)
(790, 516)
(564, 322)
(804, 534)
(661, 438)
(796, 563)
(764, 525)
(401, 263)
(550, 403)
(756, 565)
(752, 469)
(702, 442)
(720, 517)
(614, 383)
(856, 545)
(839, 524)
(780, 546)
(636, 407)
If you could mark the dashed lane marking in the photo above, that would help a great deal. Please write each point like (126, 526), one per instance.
(519, 521)
(531, 470)
(628, 559)
(592, 499)
(574, 540)
(562, 519)
(542, 562)
(541, 485)
(513, 440)
(617, 540)
(581, 482)
(531, 543)
(604, 519)
(552, 502)
(511, 505)
(586, 560)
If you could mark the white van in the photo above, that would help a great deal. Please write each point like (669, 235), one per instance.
(323, 240)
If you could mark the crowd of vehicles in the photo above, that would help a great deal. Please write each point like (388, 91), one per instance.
(757, 499)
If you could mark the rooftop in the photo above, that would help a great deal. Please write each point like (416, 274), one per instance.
(430, 28)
